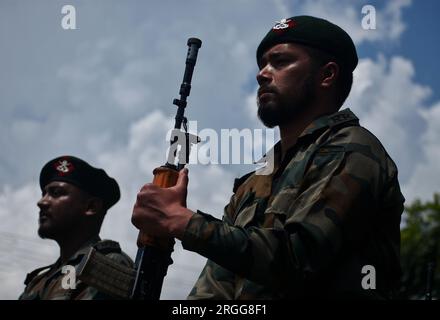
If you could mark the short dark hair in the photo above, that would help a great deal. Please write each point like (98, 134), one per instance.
(345, 79)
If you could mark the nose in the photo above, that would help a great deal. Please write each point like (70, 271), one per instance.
(264, 76)
(43, 202)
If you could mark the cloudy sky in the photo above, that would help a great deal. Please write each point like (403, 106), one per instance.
(104, 92)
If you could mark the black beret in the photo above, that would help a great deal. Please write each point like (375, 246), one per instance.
(81, 174)
(314, 32)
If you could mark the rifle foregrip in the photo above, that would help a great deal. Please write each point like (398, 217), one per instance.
(164, 177)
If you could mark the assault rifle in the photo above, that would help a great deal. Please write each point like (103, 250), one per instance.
(154, 254)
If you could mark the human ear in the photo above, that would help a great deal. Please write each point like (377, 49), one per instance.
(94, 206)
(329, 74)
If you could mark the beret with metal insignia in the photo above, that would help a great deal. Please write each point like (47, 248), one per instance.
(76, 171)
(314, 32)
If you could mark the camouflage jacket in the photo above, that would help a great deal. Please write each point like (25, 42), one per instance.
(330, 208)
(46, 283)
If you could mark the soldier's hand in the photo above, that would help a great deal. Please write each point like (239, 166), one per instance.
(162, 212)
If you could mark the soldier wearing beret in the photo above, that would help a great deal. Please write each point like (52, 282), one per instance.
(325, 222)
(76, 197)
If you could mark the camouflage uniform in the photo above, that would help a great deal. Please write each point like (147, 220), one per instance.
(332, 206)
(47, 285)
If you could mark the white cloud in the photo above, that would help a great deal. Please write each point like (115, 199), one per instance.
(348, 15)
(105, 94)
(21, 250)
(388, 102)
(424, 178)
(392, 18)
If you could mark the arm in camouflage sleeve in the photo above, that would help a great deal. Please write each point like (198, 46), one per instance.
(333, 207)
(215, 282)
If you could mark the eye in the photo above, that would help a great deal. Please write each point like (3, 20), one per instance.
(280, 61)
(56, 192)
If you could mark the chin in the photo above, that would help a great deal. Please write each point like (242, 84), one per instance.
(268, 116)
(45, 233)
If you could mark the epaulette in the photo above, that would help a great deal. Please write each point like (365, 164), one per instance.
(239, 181)
(342, 117)
(107, 246)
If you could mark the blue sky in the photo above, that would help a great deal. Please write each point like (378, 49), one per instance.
(419, 42)
(104, 93)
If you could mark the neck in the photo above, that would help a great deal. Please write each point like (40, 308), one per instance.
(289, 132)
(71, 244)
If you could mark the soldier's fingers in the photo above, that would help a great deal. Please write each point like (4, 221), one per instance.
(182, 180)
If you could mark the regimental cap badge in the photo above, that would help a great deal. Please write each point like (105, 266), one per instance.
(313, 32)
(63, 166)
(283, 24)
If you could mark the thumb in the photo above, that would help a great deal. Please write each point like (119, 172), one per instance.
(182, 184)
(182, 180)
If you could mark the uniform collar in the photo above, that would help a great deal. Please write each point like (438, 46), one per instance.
(80, 252)
(273, 157)
(328, 121)
(85, 247)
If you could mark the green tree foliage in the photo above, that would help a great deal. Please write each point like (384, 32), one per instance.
(420, 246)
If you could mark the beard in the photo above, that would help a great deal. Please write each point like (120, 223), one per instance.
(48, 230)
(56, 229)
(279, 111)
(47, 233)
